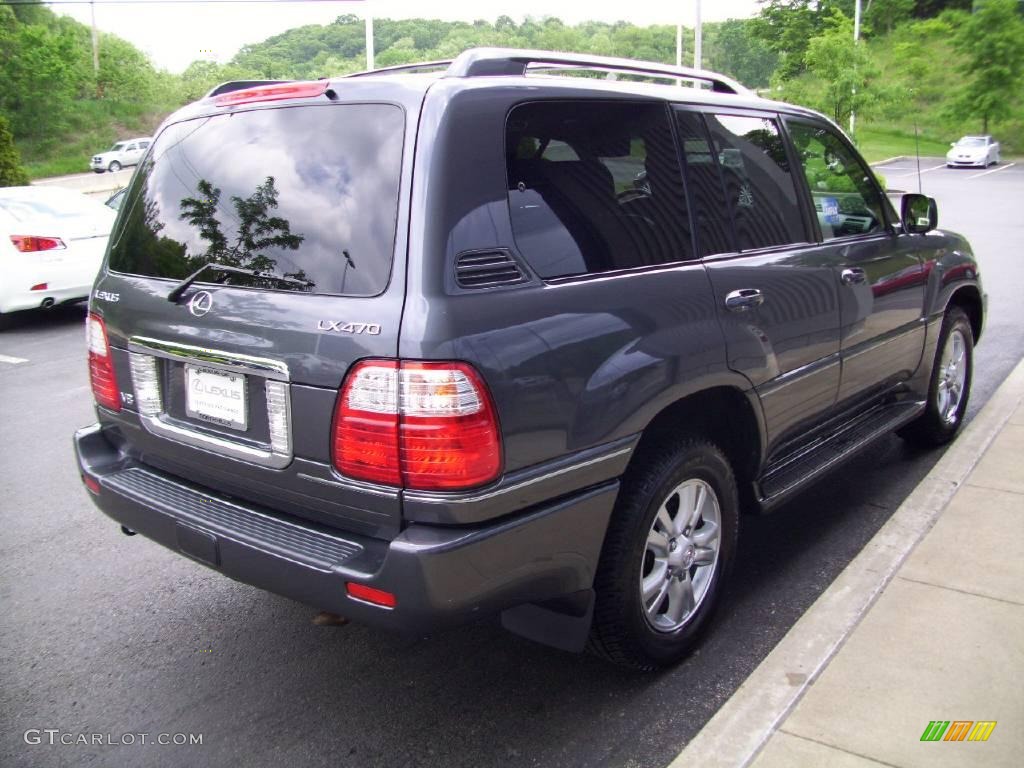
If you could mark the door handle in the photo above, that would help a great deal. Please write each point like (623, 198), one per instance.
(743, 299)
(853, 276)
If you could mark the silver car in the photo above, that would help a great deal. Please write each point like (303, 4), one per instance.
(973, 152)
(121, 155)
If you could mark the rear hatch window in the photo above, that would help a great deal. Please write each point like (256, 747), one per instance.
(308, 193)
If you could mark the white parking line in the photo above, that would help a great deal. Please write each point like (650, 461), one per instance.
(926, 170)
(994, 170)
(12, 360)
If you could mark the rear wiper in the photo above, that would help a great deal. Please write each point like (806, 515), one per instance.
(216, 266)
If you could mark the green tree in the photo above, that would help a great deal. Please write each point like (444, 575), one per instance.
(886, 14)
(992, 44)
(11, 172)
(733, 49)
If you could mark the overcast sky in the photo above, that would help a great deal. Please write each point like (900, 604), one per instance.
(175, 34)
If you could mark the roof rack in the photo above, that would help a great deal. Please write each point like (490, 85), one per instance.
(237, 85)
(421, 66)
(485, 62)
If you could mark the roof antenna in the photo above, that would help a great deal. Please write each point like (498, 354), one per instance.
(917, 149)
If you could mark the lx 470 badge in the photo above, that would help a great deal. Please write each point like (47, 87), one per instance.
(342, 327)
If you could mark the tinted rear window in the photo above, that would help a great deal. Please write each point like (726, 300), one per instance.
(304, 192)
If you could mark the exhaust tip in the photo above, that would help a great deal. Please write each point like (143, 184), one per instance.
(48, 302)
(127, 531)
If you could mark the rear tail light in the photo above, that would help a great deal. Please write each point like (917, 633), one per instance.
(32, 243)
(425, 426)
(101, 367)
(298, 90)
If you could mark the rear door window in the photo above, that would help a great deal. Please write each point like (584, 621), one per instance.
(594, 187)
(711, 215)
(759, 186)
(308, 193)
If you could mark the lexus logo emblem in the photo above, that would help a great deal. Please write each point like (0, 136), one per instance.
(201, 303)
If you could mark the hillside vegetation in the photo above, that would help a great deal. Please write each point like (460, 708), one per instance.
(912, 66)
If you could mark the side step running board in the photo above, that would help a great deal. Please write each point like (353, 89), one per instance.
(793, 472)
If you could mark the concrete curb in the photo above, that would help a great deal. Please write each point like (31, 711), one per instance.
(888, 160)
(741, 728)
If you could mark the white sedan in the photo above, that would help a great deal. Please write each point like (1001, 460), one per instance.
(973, 152)
(51, 244)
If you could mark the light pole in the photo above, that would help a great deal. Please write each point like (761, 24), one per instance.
(856, 39)
(369, 37)
(697, 41)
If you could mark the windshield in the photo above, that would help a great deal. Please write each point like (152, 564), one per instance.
(309, 193)
(117, 147)
(971, 141)
(52, 203)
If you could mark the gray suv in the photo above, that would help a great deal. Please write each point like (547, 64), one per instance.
(429, 344)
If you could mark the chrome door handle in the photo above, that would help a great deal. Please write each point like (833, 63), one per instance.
(743, 299)
(853, 276)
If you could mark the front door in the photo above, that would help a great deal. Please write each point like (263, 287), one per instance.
(881, 279)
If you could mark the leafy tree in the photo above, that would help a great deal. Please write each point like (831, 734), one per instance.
(992, 44)
(11, 172)
(886, 14)
(733, 49)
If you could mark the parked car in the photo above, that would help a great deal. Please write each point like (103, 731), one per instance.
(51, 245)
(973, 152)
(418, 350)
(122, 155)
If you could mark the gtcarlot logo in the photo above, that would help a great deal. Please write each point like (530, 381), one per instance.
(53, 736)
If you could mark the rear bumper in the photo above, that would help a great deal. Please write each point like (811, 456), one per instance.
(440, 576)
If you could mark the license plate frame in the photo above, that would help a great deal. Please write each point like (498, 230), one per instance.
(217, 407)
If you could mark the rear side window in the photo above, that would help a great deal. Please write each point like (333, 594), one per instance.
(845, 200)
(759, 186)
(594, 187)
(308, 193)
(711, 215)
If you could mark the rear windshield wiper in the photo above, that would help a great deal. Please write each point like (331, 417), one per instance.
(216, 266)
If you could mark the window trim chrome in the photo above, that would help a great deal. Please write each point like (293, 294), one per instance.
(271, 370)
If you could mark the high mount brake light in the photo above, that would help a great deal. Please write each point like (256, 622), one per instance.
(420, 425)
(301, 90)
(101, 367)
(33, 243)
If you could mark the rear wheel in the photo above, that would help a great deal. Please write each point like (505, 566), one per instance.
(950, 386)
(115, 166)
(669, 547)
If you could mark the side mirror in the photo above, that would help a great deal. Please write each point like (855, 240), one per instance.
(919, 214)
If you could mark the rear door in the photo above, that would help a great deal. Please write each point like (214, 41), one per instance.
(233, 385)
(881, 276)
(774, 287)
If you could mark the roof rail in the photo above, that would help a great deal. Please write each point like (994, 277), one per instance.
(237, 85)
(399, 68)
(483, 62)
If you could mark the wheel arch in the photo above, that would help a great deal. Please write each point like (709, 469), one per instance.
(726, 415)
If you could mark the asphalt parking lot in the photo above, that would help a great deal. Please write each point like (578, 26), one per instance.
(104, 634)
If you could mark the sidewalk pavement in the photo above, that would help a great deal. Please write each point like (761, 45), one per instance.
(926, 624)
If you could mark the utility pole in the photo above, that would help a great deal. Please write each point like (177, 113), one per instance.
(679, 49)
(697, 41)
(369, 37)
(95, 42)
(856, 40)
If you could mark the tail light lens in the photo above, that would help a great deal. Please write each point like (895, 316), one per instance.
(101, 367)
(426, 426)
(32, 243)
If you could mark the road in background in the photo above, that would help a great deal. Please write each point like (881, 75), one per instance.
(98, 185)
(106, 634)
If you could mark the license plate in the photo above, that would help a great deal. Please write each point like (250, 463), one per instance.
(216, 397)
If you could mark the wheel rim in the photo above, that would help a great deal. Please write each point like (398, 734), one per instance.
(681, 555)
(952, 376)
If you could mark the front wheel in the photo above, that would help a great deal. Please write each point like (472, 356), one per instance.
(669, 547)
(115, 167)
(950, 385)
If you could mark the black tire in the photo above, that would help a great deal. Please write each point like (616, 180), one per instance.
(97, 170)
(114, 167)
(621, 631)
(931, 429)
